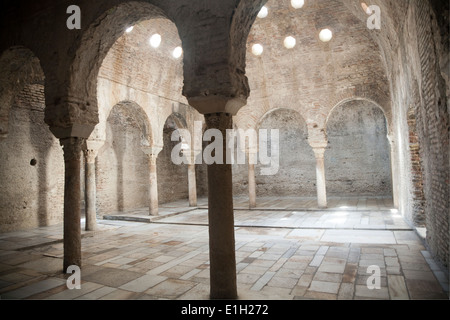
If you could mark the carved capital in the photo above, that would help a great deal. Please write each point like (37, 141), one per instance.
(153, 158)
(217, 104)
(319, 153)
(220, 121)
(91, 150)
(90, 155)
(152, 153)
(72, 148)
(151, 150)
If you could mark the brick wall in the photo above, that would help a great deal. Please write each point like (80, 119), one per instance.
(433, 132)
(418, 196)
(30, 195)
(357, 160)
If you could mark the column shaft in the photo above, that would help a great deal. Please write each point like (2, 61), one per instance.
(153, 196)
(90, 190)
(394, 174)
(72, 198)
(192, 181)
(320, 176)
(251, 185)
(221, 219)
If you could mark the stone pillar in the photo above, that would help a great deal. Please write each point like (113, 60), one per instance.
(221, 218)
(192, 180)
(90, 154)
(251, 180)
(72, 197)
(320, 176)
(395, 185)
(152, 153)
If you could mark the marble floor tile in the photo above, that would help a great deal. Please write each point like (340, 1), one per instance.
(293, 253)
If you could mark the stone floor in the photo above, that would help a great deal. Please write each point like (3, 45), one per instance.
(285, 249)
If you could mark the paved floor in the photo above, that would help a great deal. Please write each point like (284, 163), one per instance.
(285, 249)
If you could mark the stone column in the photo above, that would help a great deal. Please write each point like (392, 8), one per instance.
(394, 171)
(152, 153)
(90, 154)
(221, 218)
(192, 180)
(251, 180)
(72, 194)
(320, 176)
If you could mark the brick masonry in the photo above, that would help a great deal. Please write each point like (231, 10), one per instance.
(403, 68)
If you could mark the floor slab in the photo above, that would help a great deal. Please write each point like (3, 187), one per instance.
(282, 254)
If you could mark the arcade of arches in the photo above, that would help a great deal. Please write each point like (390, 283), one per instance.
(86, 123)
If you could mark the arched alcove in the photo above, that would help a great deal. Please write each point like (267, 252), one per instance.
(172, 178)
(122, 166)
(296, 175)
(357, 159)
(32, 166)
(135, 70)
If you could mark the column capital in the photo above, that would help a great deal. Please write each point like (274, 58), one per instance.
(252, 156)
(74, 130)
(251, 151)
(190, 155)
(221, 121)
(91, 149)
(319, 152)
(72, 148)
(94, 144)
(391, 140)
(217, 104)
(151, 151)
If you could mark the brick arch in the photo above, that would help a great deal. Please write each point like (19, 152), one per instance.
(141, 116)
(356, 161)
(250, 117)
(179, 123)
(77, 103)
(296, 155)
(346, 100)
(18, 66)
(258, 124)
(179, 120)
(243, 19)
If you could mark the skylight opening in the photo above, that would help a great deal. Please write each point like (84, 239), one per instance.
(366, 8)
(257, 49)
(297, 4)
(177, 52)
(290, 42)
(263, 12)
(155, 40)
(325, 35)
